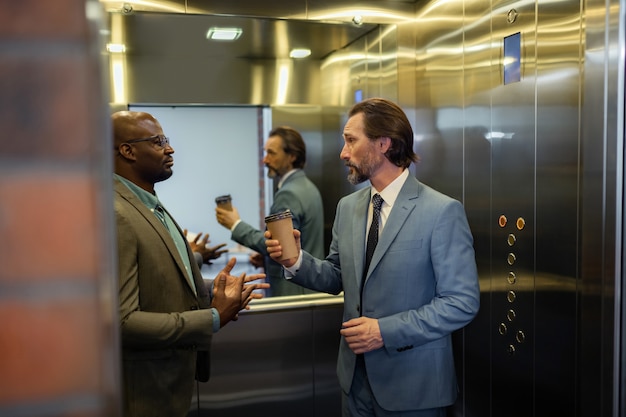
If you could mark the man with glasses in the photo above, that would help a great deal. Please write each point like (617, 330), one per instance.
(167, 314)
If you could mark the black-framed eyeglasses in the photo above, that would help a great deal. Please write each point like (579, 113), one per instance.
(160, 140)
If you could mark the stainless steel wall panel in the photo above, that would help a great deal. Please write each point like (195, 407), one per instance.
(275, 361)
(169, 60)
(406, 58)
(359, 67)
(326, 323)
(125, 6)
(338, 88)
(373, 64)
(335, 181)
(479, 57)
(559, 57)
(335, 70)
(602, 162)
(345, 72)
(384, 12)
(439, 101)
(388, 77)
(283, 9)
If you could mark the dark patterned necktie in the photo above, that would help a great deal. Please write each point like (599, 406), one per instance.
(372, 237)
(160, 213)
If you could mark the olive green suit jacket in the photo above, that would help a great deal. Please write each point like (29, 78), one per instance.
(166, 329)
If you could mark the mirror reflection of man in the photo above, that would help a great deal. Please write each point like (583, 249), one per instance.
(285, 158)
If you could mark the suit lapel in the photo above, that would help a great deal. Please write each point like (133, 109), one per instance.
(358, 226)
(179, 261)
(402, 208)
(156, 224)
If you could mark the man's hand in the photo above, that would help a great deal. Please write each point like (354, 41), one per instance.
(362, 334)
(227, 218)
(200, 244)
(232, 294)
(275, 250)
(256, 260)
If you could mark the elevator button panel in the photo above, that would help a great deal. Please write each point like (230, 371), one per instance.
(506, 328)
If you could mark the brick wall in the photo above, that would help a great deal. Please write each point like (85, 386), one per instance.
(58, 304)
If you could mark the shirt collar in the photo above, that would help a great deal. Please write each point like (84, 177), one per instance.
(284, 177)
(150, 200)
(390, 193)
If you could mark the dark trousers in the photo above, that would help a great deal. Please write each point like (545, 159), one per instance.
(361, 402)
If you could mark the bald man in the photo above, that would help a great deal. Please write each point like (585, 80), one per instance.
(167, 315)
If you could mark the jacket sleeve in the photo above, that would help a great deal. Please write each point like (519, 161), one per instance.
(250, 237)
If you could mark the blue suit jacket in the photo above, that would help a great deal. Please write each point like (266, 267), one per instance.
(422, 285)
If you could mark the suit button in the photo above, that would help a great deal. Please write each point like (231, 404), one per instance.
(358, 308)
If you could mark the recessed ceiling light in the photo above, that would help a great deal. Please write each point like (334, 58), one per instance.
(224, 34)
(299, 53)
(116, 48)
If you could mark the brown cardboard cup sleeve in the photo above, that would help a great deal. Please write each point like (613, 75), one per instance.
(280, 226)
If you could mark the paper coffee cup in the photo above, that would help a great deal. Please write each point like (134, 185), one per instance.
(224, 201)
(280, 226)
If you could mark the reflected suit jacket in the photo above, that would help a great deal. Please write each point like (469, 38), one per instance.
(422, 285)
(166, 329)
(301, 196)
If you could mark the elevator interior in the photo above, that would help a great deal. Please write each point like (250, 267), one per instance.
(537, 162)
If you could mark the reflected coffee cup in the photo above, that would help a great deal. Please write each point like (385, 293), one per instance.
(225, 202)
(280, 226)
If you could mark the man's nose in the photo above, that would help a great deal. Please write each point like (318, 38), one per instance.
(344, 154)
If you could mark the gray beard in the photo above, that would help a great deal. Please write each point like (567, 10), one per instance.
(356, 177)
(362, 173)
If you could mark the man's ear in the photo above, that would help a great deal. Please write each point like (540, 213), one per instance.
(127, 151)
(385, 144)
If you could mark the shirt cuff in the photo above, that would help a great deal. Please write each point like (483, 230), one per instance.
(232, 229)
(216, 320)
(293, 270)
